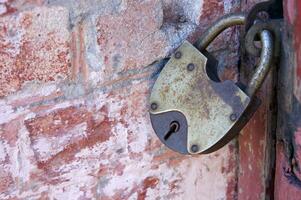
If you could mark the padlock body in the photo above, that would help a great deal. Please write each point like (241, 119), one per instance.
(211, 108)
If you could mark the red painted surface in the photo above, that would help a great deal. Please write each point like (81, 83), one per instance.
(253, 158)
(284, 187)
(288, 175)
(292, 14)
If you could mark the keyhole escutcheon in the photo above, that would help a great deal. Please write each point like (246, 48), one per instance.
(173, 128)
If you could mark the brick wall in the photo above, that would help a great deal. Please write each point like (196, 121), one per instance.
(75, 78)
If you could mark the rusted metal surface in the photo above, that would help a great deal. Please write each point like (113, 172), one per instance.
(272, 7)
(214, 112)
(177, 141)
(206, 104)
(264, 65)
(274, 26)
(218, 27)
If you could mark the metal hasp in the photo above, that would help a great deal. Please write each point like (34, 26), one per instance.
(191, 110)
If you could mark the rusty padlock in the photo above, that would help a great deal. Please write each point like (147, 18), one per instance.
(192, 111)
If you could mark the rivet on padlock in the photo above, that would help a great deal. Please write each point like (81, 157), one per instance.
(193, 112)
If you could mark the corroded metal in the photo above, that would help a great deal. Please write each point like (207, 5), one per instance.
(264, 63)
(206, 105)
(219, 26)
(272, 7)
(162, 123)
(207, 113)
(275, 26)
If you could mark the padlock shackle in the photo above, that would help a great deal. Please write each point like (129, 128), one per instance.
(219, 26)
(264, 63)
(266, 51)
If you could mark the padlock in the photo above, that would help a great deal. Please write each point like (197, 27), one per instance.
(191, 110)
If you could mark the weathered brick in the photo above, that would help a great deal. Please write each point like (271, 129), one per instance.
(34, 46)
(129, 39)
(8, 7)
(105, 149)
(58, 144)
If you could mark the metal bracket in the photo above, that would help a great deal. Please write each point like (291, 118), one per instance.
(273, 7)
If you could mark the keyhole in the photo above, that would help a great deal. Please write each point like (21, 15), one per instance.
(173, 128)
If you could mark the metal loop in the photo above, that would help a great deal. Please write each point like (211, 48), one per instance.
(264, 63)
(219, 26)
(253, 32)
